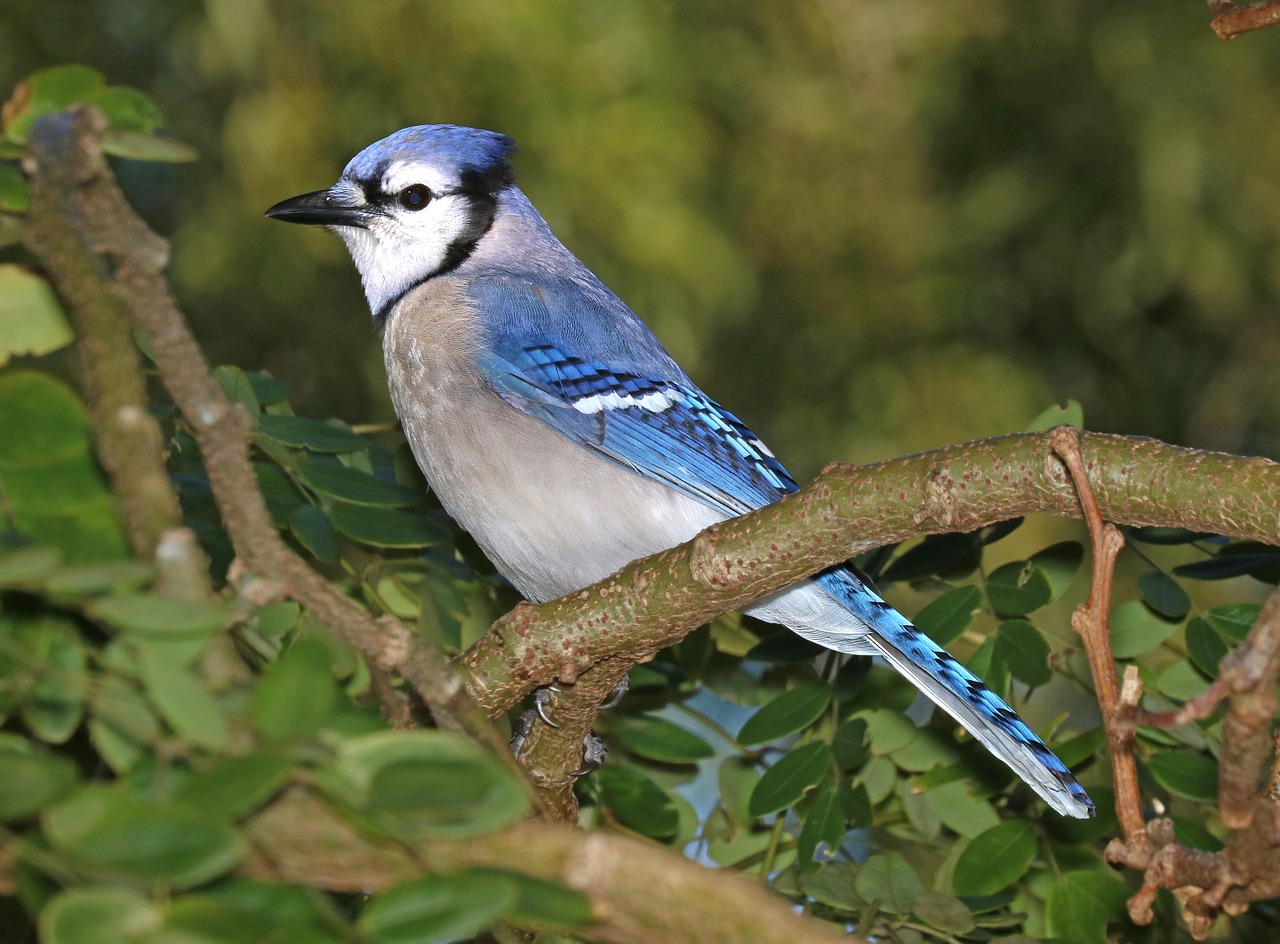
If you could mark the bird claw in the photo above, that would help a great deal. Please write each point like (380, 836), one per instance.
(541, 698)
(594, 752)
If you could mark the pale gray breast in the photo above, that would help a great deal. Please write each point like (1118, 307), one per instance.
(550, 514)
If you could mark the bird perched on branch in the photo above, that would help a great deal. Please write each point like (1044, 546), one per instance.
(557, 430)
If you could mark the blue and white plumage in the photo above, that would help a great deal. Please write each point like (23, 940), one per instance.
(557, 430)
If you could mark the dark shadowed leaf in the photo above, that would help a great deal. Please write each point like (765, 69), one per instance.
(787, 780)
(790, 712)
(1205, 645)
(1164, 594)
(330, 477)
(302, 431)
(637, 801)
(823, 830)
(387, 527)
(943, 620)
(312, 527)
(1018, 588)
(661, 740)
(1024, 649)
(1193, 776)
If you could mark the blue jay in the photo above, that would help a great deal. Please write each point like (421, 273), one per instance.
(556, 429)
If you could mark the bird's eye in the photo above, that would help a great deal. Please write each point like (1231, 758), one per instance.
(415, 197)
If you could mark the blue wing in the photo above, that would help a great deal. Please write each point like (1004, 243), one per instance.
(655, 422)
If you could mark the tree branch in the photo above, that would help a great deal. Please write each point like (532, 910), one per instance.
(655, 602)
(129, 442)
(1232, 19)
(640, 893)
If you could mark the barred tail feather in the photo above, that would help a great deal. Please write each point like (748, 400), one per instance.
(958, 692)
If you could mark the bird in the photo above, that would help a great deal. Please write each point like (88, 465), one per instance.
(556, 429)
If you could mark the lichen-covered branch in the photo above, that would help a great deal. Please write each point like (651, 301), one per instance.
(640, 893)
(129, 442)
(655, 602)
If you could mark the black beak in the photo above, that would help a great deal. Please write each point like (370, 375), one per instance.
(320, 208)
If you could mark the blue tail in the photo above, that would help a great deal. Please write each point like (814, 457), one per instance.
(955, 690)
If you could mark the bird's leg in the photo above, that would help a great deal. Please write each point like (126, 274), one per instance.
(594, 750)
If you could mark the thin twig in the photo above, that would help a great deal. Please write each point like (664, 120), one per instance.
(1092, 620)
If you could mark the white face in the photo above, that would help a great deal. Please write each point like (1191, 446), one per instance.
(399, 247)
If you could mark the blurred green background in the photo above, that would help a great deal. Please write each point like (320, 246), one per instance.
(869, 228)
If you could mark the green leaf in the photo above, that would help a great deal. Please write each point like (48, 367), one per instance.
(890, 880)
(95, 915)
(660, 740)
(126, 109)
(944, 912)
(27, 568)
(236, 786)
(438, 909)
(1205, 645)
(935, 554)
(428, 783)
(995, 859)
(849, 744)
(281, 494)
(1080, 904)
(1018, 588)
(1164, 594)
(181, 699)
(1234, 620)
(179, 849)
(30, 782)
(304, 432)
(268, 389)
(112, 833)
(1229, 564)
(540, 904)
(1024, 649)
(54, 706)
(637, 802)
(312, 527)
(152, 616)
(823, 830)
(989, 666)
(945, 619)
(86, 580)
(297, 692)
(44, 92)
(236, 385)
(787, 780)
(788, 713)
(888, 731)
(330, 477)
(960, 809)
(1136, 630)
(31, 320)
(1193, 776)
(1061, 563)
(14, 197)
(387, 527)
(1070, 413)
(147, 147)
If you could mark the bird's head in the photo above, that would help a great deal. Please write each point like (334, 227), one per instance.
(411, 206)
